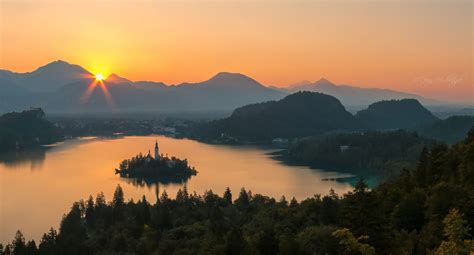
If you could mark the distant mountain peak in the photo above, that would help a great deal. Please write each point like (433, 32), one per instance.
(324, 82)
(229, 75)
(55, 63)
(114, 78)
(59, 62)
(61, 66)
(48, 78)
(228, 79)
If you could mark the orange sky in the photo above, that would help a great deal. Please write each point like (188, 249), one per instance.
(417, 46)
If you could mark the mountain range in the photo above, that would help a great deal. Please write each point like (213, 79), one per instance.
(47, 78)
(356, 96)
(63, 87)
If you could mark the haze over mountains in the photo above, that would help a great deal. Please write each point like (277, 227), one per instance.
(47, 78)
(356, 96)
(63, 87)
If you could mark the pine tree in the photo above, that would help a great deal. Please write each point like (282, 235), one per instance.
(351, 244)
(100, 200)
(164, 197)
(90, 212)
(118, 199)
(19, 245)
(228, 196)
(48, 242)
(293, 202)
(243, 201)
(456, 231)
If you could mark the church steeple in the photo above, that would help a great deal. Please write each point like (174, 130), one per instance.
(157, 151)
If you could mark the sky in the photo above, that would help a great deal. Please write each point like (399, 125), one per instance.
(420, 46)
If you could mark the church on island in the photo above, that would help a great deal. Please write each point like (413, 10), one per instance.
(157, 153)
(157, 168)
(170, 162)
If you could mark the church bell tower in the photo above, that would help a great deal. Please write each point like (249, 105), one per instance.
(157, 152)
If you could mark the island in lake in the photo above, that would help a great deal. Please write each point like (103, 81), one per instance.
(149, 169)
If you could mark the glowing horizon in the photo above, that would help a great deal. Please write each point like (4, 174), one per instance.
(422, 47)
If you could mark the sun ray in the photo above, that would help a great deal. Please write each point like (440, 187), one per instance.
(89, 91)
(98, 81)
(99, 77)
(108, 96)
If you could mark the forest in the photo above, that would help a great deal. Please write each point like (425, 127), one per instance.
(450, 130)
(428, 209)
(382, 154)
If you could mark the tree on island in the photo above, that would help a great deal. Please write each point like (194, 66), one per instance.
(160, 169)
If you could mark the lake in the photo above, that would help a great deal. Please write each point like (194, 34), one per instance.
(39, 186)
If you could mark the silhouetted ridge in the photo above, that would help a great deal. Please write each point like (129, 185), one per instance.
(60, 66)
(47, 78)
(60, 87)
(114, 78)
(393, 114)
(299, 114)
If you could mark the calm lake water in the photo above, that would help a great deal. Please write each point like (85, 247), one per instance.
(38, 187)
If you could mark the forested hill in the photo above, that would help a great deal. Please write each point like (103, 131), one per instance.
(299, 114)
(394, 114)
(450, 130)
(25, 129)
(426, 210)
(310, 113)
(371, 153)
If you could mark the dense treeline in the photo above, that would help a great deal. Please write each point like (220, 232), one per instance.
(105, 125)
(450, 130)
(426, 210)
(26, 129)
(380, 153)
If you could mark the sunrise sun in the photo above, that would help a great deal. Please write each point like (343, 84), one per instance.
(99, 77)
